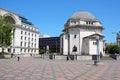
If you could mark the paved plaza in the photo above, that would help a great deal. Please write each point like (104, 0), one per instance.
(35, 68)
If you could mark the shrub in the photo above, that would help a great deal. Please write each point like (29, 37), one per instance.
(112, 49)
(4, 53)
(41, 51)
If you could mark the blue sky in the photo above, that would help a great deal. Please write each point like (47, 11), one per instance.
(51, 15)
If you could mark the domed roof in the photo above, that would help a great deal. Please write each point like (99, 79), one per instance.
(83, 15)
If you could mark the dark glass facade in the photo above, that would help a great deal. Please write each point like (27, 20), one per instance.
(52, 42)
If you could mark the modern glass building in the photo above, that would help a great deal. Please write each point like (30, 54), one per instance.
(51, 44)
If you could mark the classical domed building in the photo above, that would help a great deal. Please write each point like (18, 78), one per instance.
(82, 35)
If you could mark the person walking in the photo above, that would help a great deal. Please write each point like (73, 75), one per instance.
(11, 55)
(18, 57)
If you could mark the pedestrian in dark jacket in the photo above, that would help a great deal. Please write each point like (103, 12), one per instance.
(18, 57)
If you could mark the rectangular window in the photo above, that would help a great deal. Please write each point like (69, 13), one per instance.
(21, 44)
(21, 37)
(87, 22)
(94, 43)
(28, 39)
(25, 44)
(35, 45)
(75, 36)
(24, 50)
(25, 33)
(21, 32)
(21, 50)
(32, 45)
(25, 38)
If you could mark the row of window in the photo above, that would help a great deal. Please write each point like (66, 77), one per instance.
(30, 28)
(87, 22)
(25, 44)
(28, 33)
(29, 39)
(25, 50)
(28, 50)
(75, 36)
(94, 43)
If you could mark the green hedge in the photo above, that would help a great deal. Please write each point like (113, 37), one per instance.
(4, 53)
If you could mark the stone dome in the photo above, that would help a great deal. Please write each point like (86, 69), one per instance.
(84, 15)
(82, 19)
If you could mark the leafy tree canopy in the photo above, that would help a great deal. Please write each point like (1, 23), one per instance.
(112, 49)
(41, 51)
(6, 31)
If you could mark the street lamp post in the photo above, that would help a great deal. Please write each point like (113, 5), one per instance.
(98, 53)
(68, 56)
(97, 56)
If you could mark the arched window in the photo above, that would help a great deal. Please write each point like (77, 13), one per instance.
(11, 19)
(74, 49)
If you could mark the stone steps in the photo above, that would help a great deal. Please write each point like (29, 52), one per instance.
(107, 58)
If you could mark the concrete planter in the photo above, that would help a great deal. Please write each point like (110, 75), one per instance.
(5, 56)
(115, 56)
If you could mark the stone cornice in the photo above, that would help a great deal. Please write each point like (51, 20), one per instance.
(18, 26)
(82, 26)
(10, 12)
(93, 36)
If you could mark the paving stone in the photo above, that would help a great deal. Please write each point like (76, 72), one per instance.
(31, 68)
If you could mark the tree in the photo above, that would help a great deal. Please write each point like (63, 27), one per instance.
(41, 51)
(6, 31)
(107, 49)
(112, 49)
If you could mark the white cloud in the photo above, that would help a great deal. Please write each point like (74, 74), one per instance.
(46, 35)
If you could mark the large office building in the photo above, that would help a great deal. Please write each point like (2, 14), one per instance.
(82, 35)
(50, 44)
(26, 36)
